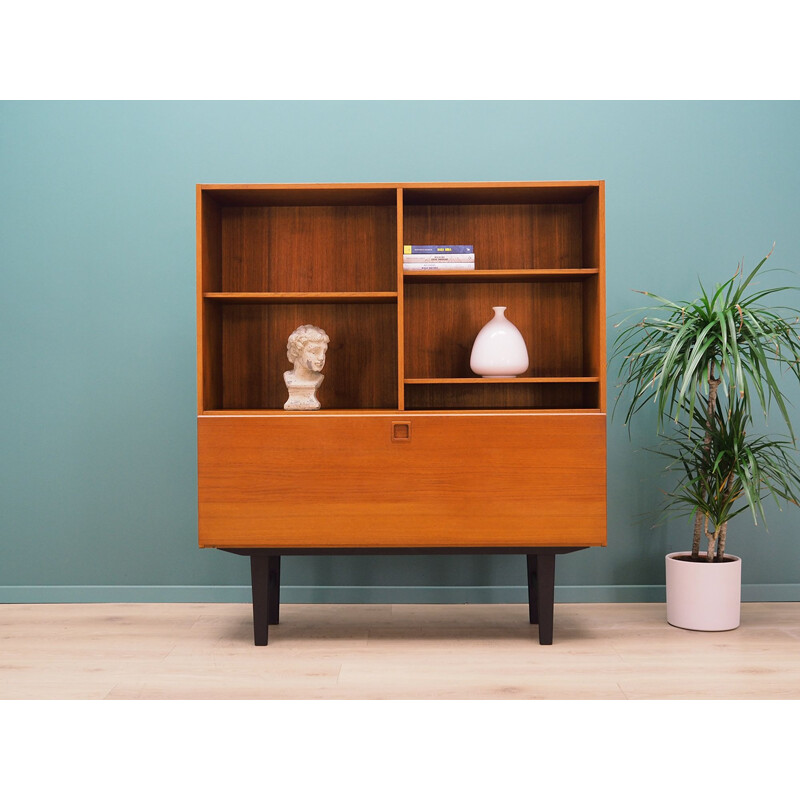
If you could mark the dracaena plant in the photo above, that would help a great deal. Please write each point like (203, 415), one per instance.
(726, 470)
(708, 365)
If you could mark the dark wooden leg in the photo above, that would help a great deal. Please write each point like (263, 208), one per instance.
(533, 611)
(545, 590)
(259, 577)
(274, 589)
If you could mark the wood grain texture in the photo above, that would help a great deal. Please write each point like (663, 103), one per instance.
(331, 243)
(301, 194)
(209, 260)
(517, 236)
(599, 298)
(462, 480)
(594, 288)
(204, 651)
(495, 275)
(498, 193)
(360, 371)
(309, 248)
(494, 394)
(210, 376)
(272, 257)
(442, 321)
(400, 305)
(303, 297)
(459, 381)
(418, 193)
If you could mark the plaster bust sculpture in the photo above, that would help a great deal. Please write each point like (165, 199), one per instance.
(306, 350)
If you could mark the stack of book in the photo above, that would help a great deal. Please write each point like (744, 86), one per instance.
(438, 256)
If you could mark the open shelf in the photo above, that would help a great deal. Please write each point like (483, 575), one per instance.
(303, 242)
(456, 381)
(488, 275)
(246, 353)
(443, 318)
(507, 394)
(518, 228)
(302, 297)
(273, 257)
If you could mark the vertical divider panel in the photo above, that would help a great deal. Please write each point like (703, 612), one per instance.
(199, 289)
(401, 366)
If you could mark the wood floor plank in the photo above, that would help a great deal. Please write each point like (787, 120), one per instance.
(205, 651)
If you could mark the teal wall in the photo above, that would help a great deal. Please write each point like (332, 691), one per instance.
(97, 319)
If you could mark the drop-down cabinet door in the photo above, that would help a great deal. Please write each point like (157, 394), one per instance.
(400, 479)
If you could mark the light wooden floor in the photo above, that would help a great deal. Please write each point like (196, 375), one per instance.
(204, 651)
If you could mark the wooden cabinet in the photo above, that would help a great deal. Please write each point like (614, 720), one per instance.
(410, 450)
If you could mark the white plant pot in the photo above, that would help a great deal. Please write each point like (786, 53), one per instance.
(704, 596)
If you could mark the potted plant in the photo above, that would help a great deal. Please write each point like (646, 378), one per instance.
(709, 365)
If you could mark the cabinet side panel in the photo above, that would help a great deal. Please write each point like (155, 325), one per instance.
(450, 481)
(400, 305)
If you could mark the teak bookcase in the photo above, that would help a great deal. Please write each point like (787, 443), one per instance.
(411, 452)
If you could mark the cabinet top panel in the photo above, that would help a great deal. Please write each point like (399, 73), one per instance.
(307, 194)
(386, 193)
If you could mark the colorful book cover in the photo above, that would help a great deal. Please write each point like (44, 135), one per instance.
(410, 249)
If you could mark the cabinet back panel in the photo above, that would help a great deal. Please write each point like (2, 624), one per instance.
(309, 249)
(361, 365)
(518, 236)
(424, 397)
(210, 364)
(209, 245)
(442, 321)
(593, 329)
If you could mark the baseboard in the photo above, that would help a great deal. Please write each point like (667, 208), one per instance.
(785, 592)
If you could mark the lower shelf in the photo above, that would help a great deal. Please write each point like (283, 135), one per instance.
(457, 395)
(246, 353)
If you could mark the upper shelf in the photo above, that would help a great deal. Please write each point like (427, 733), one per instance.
(453, 194)
(302, 297)
(355, 194)
(488, 275)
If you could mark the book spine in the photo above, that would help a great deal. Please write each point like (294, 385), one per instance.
(438, 257)
(440, 265)
(410, 249)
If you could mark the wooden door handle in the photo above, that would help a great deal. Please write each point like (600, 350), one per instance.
(401, 431)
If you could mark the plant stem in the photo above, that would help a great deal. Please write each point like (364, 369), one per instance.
(698, 529)
(713, 387)
(723, 530)
(712, 540)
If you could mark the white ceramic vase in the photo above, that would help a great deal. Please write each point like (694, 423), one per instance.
(704, 596)
(499, 350)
